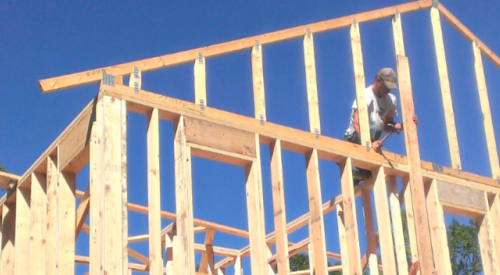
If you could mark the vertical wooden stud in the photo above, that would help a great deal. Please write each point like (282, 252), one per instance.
(486, 112)
(184, 251)
(238, 269)
(445, 89)
(259, 95)
(52, 215)
(207, 258)
(438, 231)
(397, 30)
(344, 248)
(8, 237)
(67, 205)
(350, 219)
(317, 230)
(124, 179)
(96, 227)
(384, 223)
(486, 236)
(169, 253)
(22, 231)
(494, 208)
(359, 76)
(410, 220)
(255, 209)
(413, 153)
(279, 208)
(38, 222)
(200, 87)
(370, 233)
(312, 87)
(154, 202)
(397, 226)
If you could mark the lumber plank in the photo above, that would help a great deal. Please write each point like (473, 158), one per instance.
(494, 206)
(350, 219)
(200, 82)
(95, 75)
(293, 139)
(462, 29)
(111, 185)
(220, 137)
(461, 197)
(397, 31)
(397, 226)
(124, 179)
(184, 249)
(95, 239)
(22, 239)
(312, 87)
(445, 90)
(384, 223)
(8, 238)
(415, 171)
(359, 78)
(438, 230)
(487, 239)
(317, 226)
(278, 193)
(344, 248)
(255, 214)
(66, 224)
(486, 112)
(207, 258)
(82, 212)
(219, 155)
(259, 94)
(38, 206)
(154, 200)
(371, 239)
(6, 180)
(52, 236)
(169, 252)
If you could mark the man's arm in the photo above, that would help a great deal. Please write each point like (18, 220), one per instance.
(355, 123)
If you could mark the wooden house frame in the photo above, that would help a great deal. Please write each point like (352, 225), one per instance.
(41, 218)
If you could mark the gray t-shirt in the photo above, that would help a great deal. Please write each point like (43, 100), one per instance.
(378, 110)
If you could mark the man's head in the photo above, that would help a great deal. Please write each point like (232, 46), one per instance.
(385, 81)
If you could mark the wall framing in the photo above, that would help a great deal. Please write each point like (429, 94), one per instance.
(42, 203)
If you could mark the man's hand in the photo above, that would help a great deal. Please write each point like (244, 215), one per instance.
(376, 145)
(399, 126)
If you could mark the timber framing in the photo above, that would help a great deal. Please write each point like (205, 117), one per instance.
(43, 211)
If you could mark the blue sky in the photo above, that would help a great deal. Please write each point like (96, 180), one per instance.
(45, 39)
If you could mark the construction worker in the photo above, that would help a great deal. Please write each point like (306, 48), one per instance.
(381, 106)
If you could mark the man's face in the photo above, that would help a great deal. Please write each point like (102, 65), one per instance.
(382, 90)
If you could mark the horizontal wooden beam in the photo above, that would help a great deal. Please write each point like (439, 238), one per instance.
(295, 140)
(6, 180)
(461, 197)
(154, 63)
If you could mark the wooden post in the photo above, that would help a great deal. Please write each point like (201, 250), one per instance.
(200, 87)
(38, 222)
(312, 87)
(485, 110)
(438, 230)
(106, 175)
(317, 231)
(52, 234)
(8, 238)
(22, 231)
(384, 223)
(494, 213)
(410, 219)
(154, 202)
(67, 205)
(259, 95)
(371, 238)
(279, 209)
(344, 248)
(169, 253)
(413, 153)
(255, 209)
(207, 258)
(359, 77)
(350, 219)
(445, 89)
(397, 226)
(184, 249)
(486, 236)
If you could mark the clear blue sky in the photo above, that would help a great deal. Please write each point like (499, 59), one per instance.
(45, 39)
